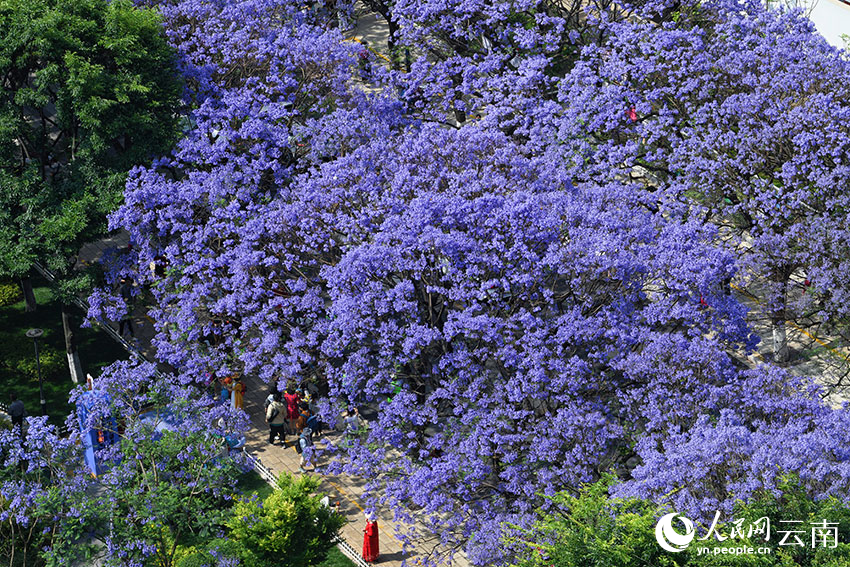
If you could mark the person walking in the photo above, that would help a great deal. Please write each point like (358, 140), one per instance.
(305, 447)
(365, 62)
(17, 412)
(276, 418)
(126, 323)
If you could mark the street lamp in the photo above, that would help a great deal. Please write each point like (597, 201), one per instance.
(34, 334)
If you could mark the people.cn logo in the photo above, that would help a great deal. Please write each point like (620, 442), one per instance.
(667, 536)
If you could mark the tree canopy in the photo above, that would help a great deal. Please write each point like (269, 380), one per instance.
(90, 89)
(518, 254)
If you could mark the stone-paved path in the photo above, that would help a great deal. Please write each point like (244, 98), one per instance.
(346, 490)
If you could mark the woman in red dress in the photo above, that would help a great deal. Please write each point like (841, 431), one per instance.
(292, 398)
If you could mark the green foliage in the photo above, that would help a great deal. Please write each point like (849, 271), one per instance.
(594, 530)
(174, 487)
(10, 293)
(591, 530)
(90, 90)
(291, 528)
(17, 355)
(206, 556)
(793, 504)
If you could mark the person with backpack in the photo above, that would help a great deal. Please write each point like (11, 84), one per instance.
(303, 416)
(304, 446)
(276, 418)
(315, 424)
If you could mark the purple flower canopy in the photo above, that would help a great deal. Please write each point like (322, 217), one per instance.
(525, 300)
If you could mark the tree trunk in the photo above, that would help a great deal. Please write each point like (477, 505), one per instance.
(71, 347)
(780, 340)
(392, 46)
(29, 296)
(778, 316)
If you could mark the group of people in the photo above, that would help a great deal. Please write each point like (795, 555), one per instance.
(233, 390)
(293, 413)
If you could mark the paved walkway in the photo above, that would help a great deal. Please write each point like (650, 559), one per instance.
(814, 352)
(346, 490)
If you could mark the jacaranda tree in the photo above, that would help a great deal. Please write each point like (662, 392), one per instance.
(43, 484)
(169, 477)
(736, 115)
(166, 478)
(519, 304)
(223, 206)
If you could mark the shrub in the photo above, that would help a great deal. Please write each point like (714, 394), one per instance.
(594, 530)
(212, 552)
(17, 354)
(10, 293)
(291, 528)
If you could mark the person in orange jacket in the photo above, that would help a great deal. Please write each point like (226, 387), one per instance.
(239, 389)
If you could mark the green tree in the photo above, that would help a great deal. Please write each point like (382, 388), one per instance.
(291, 528)
(594, 530)
(90, 89)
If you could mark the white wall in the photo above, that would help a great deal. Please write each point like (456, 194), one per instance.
(831, 18)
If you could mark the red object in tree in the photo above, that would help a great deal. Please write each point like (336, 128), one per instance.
(632, 114)
(370, 541)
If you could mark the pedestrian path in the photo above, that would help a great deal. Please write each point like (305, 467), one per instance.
(814, 353)
(346, 490)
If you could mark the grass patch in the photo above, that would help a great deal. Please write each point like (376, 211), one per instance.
(17, 354)
(336, 558)
(252, 483)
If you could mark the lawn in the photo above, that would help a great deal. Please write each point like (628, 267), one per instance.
(252, 483)
(336, 558)
(17, 354)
